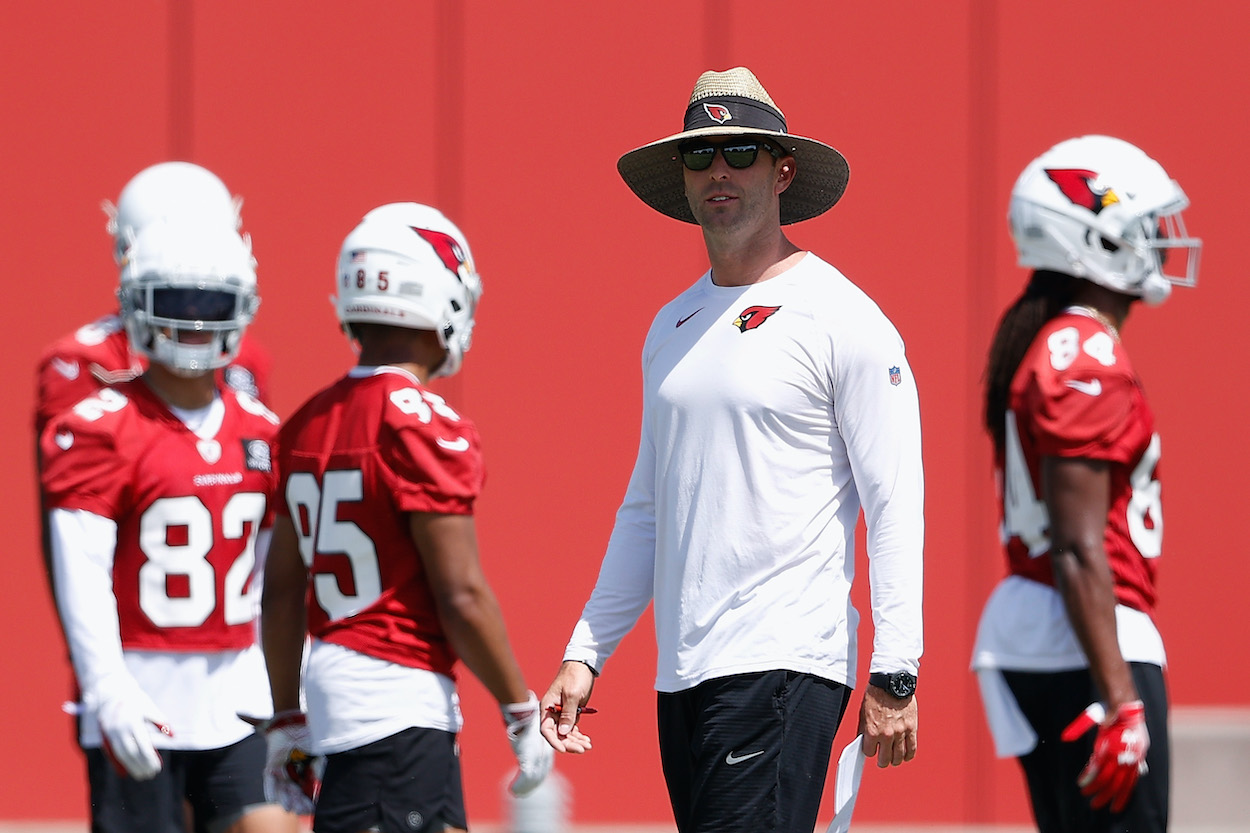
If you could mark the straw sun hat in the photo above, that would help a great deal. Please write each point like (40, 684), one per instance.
(734, 103)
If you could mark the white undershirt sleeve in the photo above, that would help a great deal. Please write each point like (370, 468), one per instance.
(82, 562)
(880, 424)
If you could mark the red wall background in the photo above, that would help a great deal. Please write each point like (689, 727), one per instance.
(511, 118)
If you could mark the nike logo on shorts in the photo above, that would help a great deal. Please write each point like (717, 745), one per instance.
(732, 759)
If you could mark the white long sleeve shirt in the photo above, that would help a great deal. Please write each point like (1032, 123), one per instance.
(770, 412)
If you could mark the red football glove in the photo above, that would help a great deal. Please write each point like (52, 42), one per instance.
(1119, 752)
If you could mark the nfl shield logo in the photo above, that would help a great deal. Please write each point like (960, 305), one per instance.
(896, 376)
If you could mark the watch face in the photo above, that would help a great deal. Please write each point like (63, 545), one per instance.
(902, 684)
(899, 684)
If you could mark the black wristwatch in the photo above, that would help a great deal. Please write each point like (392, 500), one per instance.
(899, 684)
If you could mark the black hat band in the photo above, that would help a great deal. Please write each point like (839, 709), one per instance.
(733, 111)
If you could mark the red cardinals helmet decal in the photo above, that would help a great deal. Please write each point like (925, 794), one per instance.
(445, 246)
(1076, 186)
(752, 317)
(718, 113)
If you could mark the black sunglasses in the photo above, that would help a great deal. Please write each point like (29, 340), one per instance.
(698, 156)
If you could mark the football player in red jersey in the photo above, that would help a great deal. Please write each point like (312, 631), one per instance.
(99, 354)
(158, 495)
(375, 556)
(1068, 656)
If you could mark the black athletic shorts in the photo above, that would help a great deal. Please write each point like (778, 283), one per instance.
(221, 785)
(749, 751)
(1050, 701)
(406, 783)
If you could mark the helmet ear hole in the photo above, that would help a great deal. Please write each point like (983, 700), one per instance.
(1107, 245)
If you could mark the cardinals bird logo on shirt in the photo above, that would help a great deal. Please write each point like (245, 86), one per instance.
(1078, 186)
(752, 317)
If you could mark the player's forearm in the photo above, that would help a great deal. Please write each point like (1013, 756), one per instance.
(1084, 581)
(1076, 492)
(282, 639)
(474, 625)
(283, 617)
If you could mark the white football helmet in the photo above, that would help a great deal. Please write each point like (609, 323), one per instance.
(170, 190)
(1101, 209)
(407, 265)
(187, 293)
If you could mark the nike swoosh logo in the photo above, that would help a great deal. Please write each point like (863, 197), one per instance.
(68, 369)
(458, 444)
(1092, 387)
(732, 759)
(681, 321)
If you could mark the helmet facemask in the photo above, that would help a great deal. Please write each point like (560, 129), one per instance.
(169, 321)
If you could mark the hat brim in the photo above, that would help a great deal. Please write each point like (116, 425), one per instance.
(654, 173)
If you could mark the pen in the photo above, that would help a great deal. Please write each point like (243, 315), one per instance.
(580, 710)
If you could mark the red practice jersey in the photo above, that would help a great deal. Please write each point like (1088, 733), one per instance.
(355, 460)
(99, 355)
(1076, 394)
(187, 510)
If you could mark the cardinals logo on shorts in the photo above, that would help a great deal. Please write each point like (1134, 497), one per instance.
(752, 317)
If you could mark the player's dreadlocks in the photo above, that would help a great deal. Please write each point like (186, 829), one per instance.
(1047, 294)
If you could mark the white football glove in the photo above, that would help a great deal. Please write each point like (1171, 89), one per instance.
(534, 755)
(128, 718)
(292, 773)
